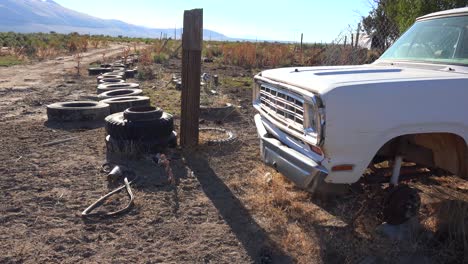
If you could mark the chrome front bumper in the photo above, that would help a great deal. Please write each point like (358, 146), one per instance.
(296, 166)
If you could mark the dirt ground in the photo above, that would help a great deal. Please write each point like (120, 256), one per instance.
(225, 207)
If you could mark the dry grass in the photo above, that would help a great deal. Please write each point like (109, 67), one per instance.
(206, 136)
(282, 209)
(320, 230)
(446, 216)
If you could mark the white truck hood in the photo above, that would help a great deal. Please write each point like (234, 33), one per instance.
(321, 80)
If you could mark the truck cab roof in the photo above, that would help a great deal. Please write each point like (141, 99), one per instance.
(446, 13)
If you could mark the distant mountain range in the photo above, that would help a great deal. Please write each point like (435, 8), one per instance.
(27, 16)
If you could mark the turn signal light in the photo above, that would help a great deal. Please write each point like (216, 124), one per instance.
(344, 167)
(316, 149)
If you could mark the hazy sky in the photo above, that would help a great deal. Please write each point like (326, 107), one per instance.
(266, 20)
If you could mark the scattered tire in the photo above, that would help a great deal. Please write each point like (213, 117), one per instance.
(118, 68)
(113, 76)
(141, 113)
(130, 73)
(120, 128)
(104, 87)
(119, 93)
(228, 136)
(114, 73)
(98, 70)
(77, 111)
(120, 104)
(111, 80)
(118, 64)
(401, 204)
(219, 113)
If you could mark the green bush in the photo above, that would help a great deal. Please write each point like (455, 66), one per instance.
(160, 58)
(145, 73)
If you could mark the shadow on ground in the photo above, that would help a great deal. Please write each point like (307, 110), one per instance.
(254, 238)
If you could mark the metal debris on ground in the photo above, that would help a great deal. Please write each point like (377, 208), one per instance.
(115, 173)
(60, 141)
(163, 161)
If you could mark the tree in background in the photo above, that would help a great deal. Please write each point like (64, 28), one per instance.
(406, 11)
(380, 25)
(390, 18)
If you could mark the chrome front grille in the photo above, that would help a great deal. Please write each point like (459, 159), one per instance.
(283, 106)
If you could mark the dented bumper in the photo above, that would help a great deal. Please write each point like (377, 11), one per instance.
(296, 166)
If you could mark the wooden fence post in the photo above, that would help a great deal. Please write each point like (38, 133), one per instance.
(357, 34)
(192, 38)
(302, 58)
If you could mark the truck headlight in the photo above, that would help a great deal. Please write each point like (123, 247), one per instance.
(255, 91)
(314, 118)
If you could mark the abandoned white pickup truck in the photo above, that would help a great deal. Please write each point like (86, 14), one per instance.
(331, 123)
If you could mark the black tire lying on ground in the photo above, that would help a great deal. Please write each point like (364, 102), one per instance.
(118, 68)
(130, 73)
(114, 73)
(141, 113)
(228, 136)
(118, 64)
(119, 93)
(120, 104)
(77, 111)
(98, 70)
(104, 87)
(113, 76)
(120, 128)
(111, 80)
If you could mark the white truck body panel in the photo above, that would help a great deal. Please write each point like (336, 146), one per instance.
(405, 101)
(350, 112)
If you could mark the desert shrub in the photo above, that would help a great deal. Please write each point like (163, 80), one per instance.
(145, 73)
(43, 45)
(160, 58)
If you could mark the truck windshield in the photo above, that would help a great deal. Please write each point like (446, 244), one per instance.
(443, 40)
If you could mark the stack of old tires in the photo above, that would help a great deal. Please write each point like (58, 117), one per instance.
(133, 127)
(139, 130)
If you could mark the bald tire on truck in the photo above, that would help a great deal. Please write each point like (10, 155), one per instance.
(120, 128)
(119, 104)
(77, 111)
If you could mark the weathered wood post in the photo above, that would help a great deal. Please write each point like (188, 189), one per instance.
(357, 35)
(302, 57)
(192, 38)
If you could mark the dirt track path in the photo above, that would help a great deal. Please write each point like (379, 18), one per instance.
(40, 83)
(47, 71)
(43, 189)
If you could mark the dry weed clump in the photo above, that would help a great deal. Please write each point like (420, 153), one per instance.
(283, 211)
(77, 43)
(251, 55)
(447, 218)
